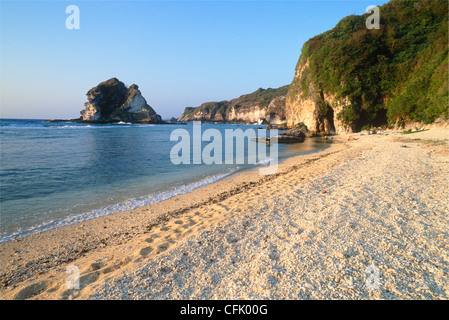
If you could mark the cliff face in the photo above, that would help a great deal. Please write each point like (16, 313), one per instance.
(351, 76)
(263, 104)
(307, 108)
(112, 101)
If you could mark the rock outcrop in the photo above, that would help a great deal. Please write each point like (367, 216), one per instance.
(112, 101)
(353, 77)
(292, 135)
(306, 106)
(261, 106)
(300, 107)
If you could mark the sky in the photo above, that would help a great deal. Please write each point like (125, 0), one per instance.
(179, 53)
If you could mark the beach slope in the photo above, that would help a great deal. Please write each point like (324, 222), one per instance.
(364, 219)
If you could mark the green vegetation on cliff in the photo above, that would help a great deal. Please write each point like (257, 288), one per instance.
(396, 73)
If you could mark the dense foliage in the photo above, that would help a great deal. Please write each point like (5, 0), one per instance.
(396, 73)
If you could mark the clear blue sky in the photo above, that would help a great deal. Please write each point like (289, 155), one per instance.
(180, 53)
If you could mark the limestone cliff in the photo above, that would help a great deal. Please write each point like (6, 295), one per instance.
(306, 106)
(266, 105)
(112, 101)
(353, 77)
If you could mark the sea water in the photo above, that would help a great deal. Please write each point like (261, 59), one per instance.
(59, 173)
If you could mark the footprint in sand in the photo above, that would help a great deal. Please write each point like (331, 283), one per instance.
(96, 266)
(192, 222)
(163, 247)
(84, 281)
(89, 278)
(145, 251)
(31, 290)
(152, 238)
(169, 238)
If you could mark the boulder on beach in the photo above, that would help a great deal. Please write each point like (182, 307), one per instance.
(293, 135)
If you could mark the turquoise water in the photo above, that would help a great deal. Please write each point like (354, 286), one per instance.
(54, 174)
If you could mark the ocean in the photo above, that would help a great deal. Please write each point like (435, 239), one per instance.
(59, 173)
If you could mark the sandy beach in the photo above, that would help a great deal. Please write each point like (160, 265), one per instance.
(315, 230)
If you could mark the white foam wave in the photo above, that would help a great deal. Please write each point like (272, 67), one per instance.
(119, 207)
(72, 126)
(264, 162)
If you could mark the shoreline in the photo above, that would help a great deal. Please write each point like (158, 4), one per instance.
(152, 198)
(109, 209)
(78, 239)
(109, 247)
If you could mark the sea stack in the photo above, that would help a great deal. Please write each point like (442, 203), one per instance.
(112, 101)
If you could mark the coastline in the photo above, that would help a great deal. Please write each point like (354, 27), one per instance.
(111, 209)
(163, 193)
(67, 197)
(107, 248)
